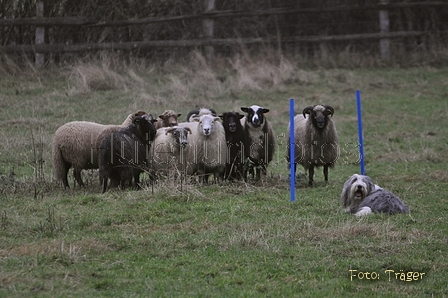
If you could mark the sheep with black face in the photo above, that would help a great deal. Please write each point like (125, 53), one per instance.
(316, 140)
(236, 142)
(260, 138)
(124, 154)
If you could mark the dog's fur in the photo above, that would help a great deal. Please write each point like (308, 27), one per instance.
(361, 197)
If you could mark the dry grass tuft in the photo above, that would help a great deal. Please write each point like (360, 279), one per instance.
(96, 77)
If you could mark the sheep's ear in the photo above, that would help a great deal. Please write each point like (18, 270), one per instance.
(241, 116)
(161, 116)
(221, 116)
(178, 115)
(245, 110)
(188, 129)
(216, 119)
(169, 130)
(137, 120)
(264, 110)
(195, 119)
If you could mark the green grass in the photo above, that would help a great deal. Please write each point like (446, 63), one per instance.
(230, 239)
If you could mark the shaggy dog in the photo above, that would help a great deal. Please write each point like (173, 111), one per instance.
(361, 197)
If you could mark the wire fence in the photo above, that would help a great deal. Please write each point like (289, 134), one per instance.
(47, 29)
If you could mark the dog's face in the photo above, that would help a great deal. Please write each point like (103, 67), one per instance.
(355, 189)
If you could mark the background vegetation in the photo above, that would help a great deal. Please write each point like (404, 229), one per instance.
(361, 19)
(228, 239)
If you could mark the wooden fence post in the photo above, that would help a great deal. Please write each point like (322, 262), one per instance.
(40, 34)
(207, 25)
(384, 29)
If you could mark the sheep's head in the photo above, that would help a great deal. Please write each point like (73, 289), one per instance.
(255, 115)
(145, 125)
(230, 120)
(318, 115)
(140, 113)
(180, 135)
(206, 123)
(197, 113)
(169, 118)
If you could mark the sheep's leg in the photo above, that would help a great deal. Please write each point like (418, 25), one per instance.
(311, 175)
(65, 180)
(77, 175)
(260, 170)
(104, 185)
(205, 178)
(137, 180)
(326, 173)
(122, 184)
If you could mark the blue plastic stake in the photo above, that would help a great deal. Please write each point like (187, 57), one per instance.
(291, 150)
(361, 146)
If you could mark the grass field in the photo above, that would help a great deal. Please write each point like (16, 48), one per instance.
(227, 239)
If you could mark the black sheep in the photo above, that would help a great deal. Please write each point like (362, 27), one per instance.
(236, 143)
(124, 154)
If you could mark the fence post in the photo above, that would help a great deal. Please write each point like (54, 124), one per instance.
(384, 29)
(207, 25)
(40, 34)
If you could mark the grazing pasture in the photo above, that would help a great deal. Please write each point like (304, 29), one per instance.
(230, 239)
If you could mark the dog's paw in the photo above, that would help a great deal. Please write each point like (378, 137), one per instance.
(363, 211)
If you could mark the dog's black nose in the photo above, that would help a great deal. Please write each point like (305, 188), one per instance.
(359, 186)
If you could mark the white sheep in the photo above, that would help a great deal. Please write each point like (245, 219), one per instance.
(75, 144)
(260, 148)
(316, 140)
(206, 147)
(169, 151)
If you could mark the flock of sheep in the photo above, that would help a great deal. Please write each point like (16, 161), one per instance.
(230, 146)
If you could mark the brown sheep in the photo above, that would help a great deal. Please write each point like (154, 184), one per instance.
(167, 119)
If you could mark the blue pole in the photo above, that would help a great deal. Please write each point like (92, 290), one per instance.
(361, 145)
(291, 149)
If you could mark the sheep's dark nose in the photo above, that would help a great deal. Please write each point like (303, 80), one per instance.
(320, 122)
(183, 144)
(206, 131)
(232, 127)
